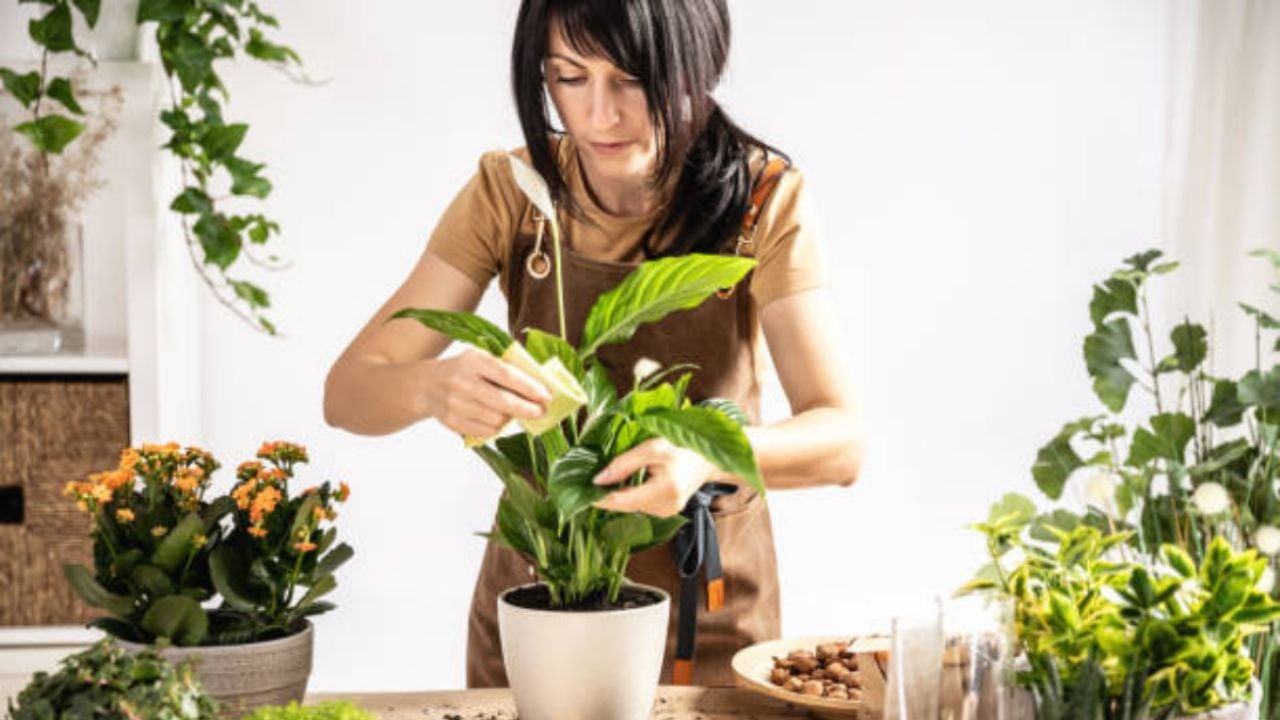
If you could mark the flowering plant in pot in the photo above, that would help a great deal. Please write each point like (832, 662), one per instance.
(582, 641)
(1108, 632)
(231, 580)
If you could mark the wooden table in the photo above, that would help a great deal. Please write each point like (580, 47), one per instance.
(673, 703)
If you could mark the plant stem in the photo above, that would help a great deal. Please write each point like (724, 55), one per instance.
(555, 242)
(1151, 351)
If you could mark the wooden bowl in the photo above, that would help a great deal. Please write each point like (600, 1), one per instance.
(752, 666)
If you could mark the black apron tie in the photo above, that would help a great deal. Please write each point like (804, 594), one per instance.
(696, 548)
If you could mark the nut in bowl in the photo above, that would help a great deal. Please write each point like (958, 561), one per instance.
(835, 676)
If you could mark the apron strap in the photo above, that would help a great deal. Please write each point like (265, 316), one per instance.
(696, 549)
(760, 194)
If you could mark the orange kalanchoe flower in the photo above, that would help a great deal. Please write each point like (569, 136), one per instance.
(188, 479)
(168, 448)
(258, 532)
(129, 459)
(263, 504)
(304, 547)
(344, 492)
(243, 494)
(124, 515)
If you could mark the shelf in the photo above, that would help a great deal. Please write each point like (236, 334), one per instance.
(51, 636)
(97, 358)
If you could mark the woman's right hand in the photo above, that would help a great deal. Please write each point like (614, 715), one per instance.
(474, 393)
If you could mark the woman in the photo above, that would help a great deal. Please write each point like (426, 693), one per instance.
(647, 165)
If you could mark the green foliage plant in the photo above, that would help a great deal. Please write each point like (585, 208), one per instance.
(192, 35)
(331, 710)
(1112, 634)
(1204, 464)
(164, 554)
(107, 682)
(546, 512)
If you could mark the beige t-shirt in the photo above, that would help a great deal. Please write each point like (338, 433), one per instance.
(474, 234)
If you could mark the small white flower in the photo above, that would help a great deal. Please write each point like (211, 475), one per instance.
(1267, 538)
(645, 367)
(1267, 581)
(1211, 498)
(1100, 489)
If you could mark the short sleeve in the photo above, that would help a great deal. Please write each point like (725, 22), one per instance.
(788, 245)
(474, 234)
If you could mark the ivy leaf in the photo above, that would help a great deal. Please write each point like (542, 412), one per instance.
(1264, 319)
(262, 49)
(570, 483)
(1190, 346)
(1172, 432)
(1057, 460)
(463, 327)
(220, 243)
(221, 141)
(1104, 348)
(53, 31)
(1225, 408)
(245, 179)
(24, 88)
(51, 133)
(711, 434)
(60, 90)
(1112, 296)
(190, 59)
(193, 200)
(656, 289)
(89, 9)
(1262, 390)
(250, 293)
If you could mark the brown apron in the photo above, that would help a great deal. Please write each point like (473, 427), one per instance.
(720, 337)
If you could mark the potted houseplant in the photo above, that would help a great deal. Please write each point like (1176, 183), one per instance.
(164, 556)
(1202, 465)
(1112, 634)
(105, 681)
(582, 641)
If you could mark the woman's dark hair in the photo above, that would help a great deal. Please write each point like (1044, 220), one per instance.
(677, 49)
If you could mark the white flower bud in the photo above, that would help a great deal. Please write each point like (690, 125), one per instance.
(1211, 499)
(1267, 538)
(1100, 489)
(645, 367)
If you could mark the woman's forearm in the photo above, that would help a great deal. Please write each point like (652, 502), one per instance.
(370, 397)
(820, 446)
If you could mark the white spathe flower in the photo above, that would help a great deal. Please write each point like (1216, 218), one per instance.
(1211, 498)
(1267, 538)
(645, 367)
(1267, 581)
(1100, 489)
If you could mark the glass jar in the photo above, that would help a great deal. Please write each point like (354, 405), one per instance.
(42, 287)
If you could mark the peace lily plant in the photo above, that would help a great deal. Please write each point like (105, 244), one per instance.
(546, 514)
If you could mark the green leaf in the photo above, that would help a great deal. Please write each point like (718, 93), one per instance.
(1264, 319)
(335, 559)
(230, 574)
(83, 583)
(661, 531)
(162, 10)
(1179, 560)
(24, 88)
(53, 31)
(1112, 296)
(221, 141)
(190, 58)
(154, 580)
(193, 200)
(1143, 588)
(174, 548)
(1104, 348)
(601, 397)
(627, 531)
(711, 434)
(89, 9)
(1172, 433)
(220, 243)
(250, 293)
(302, 519)
(1142, 261)
(1061, 520)
(1012, 508)
(51, 133)
(524, 499)
(728, 408)
(1190, 346)
(544, 346)
(463, 327)
(656, 289)
(570, 482)
(60, 90)
(323, 586)
(1225, 409)
(245, 179)
(1260, 389)
(1057, 460)
(260, 48)
(178, 618)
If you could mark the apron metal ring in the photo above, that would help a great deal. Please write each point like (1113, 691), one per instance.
(538, 264)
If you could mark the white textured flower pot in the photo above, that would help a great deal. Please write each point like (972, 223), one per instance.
(243, 677)
(584, 665)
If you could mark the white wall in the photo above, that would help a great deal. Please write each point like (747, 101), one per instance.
(976, 165)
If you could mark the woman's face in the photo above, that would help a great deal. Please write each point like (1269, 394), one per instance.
(603, 110)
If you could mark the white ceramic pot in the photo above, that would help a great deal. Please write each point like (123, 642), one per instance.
(584, 665)
(243, 677)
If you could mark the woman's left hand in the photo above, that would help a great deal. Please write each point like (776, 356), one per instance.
(673, 475)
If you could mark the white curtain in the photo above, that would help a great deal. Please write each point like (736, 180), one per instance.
(1222, 184)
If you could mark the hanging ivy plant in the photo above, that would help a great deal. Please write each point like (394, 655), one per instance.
(192, 35)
